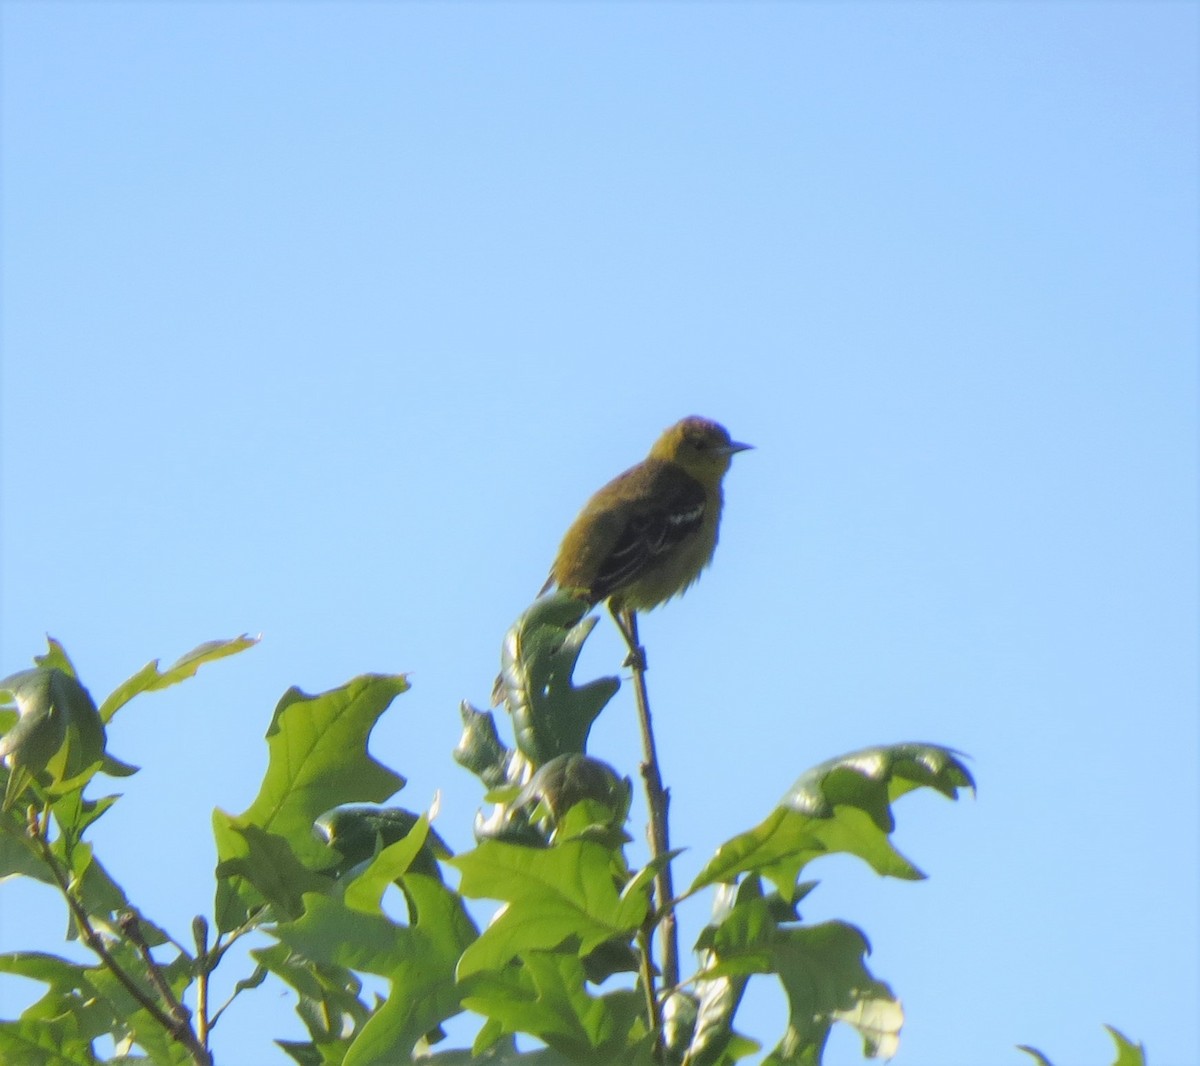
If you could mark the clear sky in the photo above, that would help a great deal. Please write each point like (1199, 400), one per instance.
(320, 321)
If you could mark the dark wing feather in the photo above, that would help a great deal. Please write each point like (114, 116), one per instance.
(650, 534)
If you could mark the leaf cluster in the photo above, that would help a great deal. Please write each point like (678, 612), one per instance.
(352, 893)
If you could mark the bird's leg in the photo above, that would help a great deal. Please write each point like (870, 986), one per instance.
(627, 623)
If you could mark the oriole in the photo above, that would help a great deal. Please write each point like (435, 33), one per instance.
(647, 535)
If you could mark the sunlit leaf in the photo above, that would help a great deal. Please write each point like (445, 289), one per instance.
(37, 1043)
(150, 679)
(1128, 1053)
(502, 1055)
(418, 960)
(318, 760)
(69, 991)
(547, 997)
(552, 894)
(329, 1002)
(365, 891)
(843, 805)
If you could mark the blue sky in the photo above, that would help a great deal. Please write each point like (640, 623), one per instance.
(320, 322)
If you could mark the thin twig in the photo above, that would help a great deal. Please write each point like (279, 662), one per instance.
(131, 928)
(179, 1028)
(208, 962)
(653, 1014)
(658, 802)
(203, 969)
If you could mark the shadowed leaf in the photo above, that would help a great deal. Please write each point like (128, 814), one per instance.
(551, 715)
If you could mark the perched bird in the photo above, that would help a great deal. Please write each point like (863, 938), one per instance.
(648, 534)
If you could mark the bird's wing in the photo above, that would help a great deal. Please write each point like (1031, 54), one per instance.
(650, 531)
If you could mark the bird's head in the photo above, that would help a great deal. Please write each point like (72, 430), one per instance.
(701, 446)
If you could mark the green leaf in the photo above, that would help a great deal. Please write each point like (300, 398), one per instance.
(330, 1005)
(500, 1055)
(35, 1043)
(56, 658)
(823, 974)
(136, 1022)
(318, 760)
(100, 895)
(480, 750)
(69, 993)
(150, 679)
(551, 715)
(547, 997)
(58, 737)
(365, 892)
(739, 913)
(18, 853)
(74, 814)
(843, 805)
(553, 895)
(269, 864)
(1128, 1053)
(359, 831)
(418, 960)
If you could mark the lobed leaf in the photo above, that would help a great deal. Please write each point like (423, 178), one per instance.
(269, 864)
(1128, 1053)
(418, 961)
(737, 927)
(365, 892)
(547, 997)
(842, 805)
(330, 1005)
(317, 760)
(551, 715)
(552, 895)
(58, 737)
(36, 1043)
(359, 831)
(150, 679)
(822, 971)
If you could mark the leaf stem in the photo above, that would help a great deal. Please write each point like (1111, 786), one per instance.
(658, 801)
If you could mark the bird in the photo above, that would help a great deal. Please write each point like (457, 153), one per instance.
(647, 535)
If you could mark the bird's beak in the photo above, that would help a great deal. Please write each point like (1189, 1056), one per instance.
(734, 447)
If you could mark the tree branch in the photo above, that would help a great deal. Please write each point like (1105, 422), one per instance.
(178, 1025)
(658, 802)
